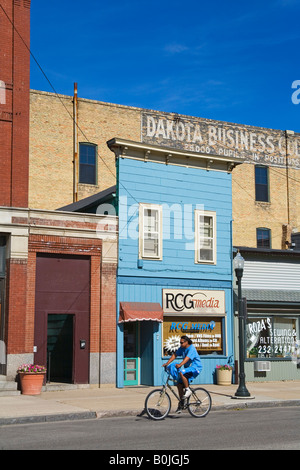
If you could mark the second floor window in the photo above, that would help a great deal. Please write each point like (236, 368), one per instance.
(87, 163)
(150, 231)
(205, 237)
(261, 183)
(263, 237)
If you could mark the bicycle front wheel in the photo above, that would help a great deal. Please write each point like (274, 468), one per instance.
(199, 403)
(158, 404)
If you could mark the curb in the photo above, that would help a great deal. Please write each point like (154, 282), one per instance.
(252, 404)
(119, 413)
(139, 413)
(48, 418)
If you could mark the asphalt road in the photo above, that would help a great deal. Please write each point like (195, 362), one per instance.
(259, 429)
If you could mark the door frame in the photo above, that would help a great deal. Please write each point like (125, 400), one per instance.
(137, 358)
(80, 310)
(41, 339)
(73, 342)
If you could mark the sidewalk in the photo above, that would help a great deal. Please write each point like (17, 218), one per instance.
(108, 401)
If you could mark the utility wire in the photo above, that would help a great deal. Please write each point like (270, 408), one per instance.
(66, 109)
(87, 140)
(57, 95)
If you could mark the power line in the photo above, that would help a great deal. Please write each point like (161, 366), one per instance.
(51, 85)
(84, 135)
(72, 117)
(57, 95)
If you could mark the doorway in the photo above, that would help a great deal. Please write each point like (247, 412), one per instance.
(131, 353)
(62, 316)
(138, 352)
(60, 340)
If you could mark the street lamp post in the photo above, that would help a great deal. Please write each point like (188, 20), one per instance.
(238, 264)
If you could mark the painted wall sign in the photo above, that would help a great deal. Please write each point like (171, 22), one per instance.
(193, 301)
(253, 144)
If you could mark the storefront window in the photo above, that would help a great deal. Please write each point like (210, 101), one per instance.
(205, 332)
(271, 336)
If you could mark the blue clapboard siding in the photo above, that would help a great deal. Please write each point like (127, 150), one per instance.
(180, 190)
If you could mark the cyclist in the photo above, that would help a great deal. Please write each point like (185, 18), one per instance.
(193, 368)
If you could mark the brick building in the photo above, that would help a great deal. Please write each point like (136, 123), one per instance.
(57, 270)
(265, 196)
(14, 103)
(266, 191)
(58, 281)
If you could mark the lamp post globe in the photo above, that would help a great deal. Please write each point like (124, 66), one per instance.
(238, 264)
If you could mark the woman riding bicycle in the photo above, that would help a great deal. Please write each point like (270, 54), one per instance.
(193, 367)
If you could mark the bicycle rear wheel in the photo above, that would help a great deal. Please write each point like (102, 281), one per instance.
(158, 404)
(199, 403)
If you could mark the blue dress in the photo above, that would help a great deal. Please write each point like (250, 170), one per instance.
(192, 368)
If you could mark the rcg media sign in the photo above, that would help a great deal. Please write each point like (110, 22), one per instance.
(195, 302)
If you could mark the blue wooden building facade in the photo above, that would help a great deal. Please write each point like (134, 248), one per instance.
(174, 260)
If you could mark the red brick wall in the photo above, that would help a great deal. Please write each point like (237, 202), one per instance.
(108, 308)
(14, 112)
(103, 290)
(95, 308)
(16, 305)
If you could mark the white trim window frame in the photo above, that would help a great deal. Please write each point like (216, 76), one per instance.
(150, 231)
(205, 237)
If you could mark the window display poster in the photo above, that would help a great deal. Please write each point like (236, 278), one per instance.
(271, 336)
(205, 333)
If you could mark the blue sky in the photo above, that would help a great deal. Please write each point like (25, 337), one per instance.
(230, 61)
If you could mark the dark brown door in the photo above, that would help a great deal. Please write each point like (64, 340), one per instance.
(62, 316)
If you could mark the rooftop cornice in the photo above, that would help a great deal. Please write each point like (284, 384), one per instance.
(147, 152)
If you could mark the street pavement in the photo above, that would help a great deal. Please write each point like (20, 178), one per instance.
(109, 401)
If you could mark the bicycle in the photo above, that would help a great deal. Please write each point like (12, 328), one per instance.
(158, 402)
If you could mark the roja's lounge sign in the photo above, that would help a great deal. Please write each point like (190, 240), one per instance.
(194, 301)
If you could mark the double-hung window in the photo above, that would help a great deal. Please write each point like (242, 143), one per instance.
(263, 238)
(87, 163)
(205, 237)
(150, 231)
(261, 183)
